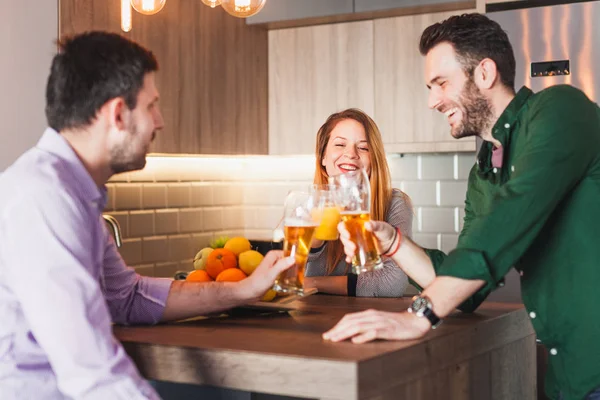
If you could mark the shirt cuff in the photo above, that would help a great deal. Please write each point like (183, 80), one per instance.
(155, 292)
(351, 285)
(470, 265)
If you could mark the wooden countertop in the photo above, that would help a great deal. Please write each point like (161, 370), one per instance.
(284, 354)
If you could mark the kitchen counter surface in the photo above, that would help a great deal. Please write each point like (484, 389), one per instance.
(486, 355)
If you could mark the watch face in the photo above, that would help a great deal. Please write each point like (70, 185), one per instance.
(419, 304)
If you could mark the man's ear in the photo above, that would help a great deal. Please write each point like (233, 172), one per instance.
(486, 74)
(113, 112)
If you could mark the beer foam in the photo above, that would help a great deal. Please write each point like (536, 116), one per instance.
(299, 222)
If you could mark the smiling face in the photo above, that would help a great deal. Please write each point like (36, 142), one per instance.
(141, 125)
(347, 149)
(455, 94)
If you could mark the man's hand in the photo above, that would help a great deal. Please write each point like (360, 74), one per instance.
(369, 325)
(263, 277)
(384, 233)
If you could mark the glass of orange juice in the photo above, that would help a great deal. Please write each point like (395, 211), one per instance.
(329, 213)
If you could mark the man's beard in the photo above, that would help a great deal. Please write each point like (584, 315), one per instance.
(476, 110)
(123, 158)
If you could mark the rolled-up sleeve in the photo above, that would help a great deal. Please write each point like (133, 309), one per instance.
(131, 298)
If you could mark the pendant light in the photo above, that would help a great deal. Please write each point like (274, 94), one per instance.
(148, 7)
(212, 3)
(242, 8)
(126, 15)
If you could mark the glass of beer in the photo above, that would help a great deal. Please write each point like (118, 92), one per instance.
(353, 197)
(330, 213)
(300, 220)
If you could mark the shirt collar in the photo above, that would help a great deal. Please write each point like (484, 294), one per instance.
(54, 143)
(508, 118)
(501, 131)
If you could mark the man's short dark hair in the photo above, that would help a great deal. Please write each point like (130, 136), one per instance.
(91, 69)
(474, 37)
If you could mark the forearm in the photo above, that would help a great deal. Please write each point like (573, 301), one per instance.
(413, 260)
(328, 284)
(190, 299)
(447, 293)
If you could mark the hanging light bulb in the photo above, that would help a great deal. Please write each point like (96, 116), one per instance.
(148, 7)
(126, 15)
(243, 8)
(212, 3)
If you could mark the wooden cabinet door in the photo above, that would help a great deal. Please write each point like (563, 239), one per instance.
(212, 78)
(314, 72)
(401, 110)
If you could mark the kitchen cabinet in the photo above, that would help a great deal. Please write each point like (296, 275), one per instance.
(401, 111)
(285, 10)
(374, 65)
(212, 78)
(313, 72)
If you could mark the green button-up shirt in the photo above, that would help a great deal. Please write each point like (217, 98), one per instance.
(540, 212)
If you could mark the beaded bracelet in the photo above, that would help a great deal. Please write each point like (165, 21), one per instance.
(397, 235)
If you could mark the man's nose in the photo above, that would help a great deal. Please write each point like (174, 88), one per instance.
(434, 100)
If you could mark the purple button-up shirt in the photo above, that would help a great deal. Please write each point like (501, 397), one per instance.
(62, 283)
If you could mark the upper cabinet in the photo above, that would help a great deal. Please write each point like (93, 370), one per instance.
(212, 78)
(314, 71)
(401, 110)
(372, 65)
(289, 10)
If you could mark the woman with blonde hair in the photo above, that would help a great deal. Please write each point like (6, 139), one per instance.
(347, 141)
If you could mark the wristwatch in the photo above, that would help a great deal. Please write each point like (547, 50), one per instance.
(421, 306)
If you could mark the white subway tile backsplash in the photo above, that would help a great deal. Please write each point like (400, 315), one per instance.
(110, 194)
(212, 219)
(191, 220)
(145, 270)
(128, 196)
(422, 193)
(449, 242)
(166, 221)
(181, 247)
(452, 193)
(141, 223)
(437, 167)
(461, 218)
(427, 240)
(259, 234)
(179, 195)
(437, 220)
(403, 167)
(155, 249)
(131, 251)
(200, 241)
(202, 194)
(233, 218)
(144, 175)
(154, 195)
(119, 178)
(268, 217)
(168, 269)
(464, 164)
(228, 195)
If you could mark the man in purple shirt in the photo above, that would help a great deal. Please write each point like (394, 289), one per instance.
(62, 281)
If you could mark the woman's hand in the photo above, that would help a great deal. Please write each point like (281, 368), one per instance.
(383, 232)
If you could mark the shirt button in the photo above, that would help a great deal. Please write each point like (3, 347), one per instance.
(532, 314)
(538, 341)
(512, 168)
(495, 170)
(553, 351)
(500, 284)
(521, 273)
(507, 125)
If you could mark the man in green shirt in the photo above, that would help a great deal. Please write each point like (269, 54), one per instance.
(533, 202)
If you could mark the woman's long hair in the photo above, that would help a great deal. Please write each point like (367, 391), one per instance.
(380, 180)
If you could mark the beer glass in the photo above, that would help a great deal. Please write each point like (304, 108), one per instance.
(353, 197)
(330, 213)
(300, 220)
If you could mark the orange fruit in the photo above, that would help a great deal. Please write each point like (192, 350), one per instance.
(231, 275)
(249, 260)
(269, 295)
(238, 245)
(198, 276)
(218, 261)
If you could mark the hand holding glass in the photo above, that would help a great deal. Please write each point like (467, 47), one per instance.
(353, 197)
(301, 217)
